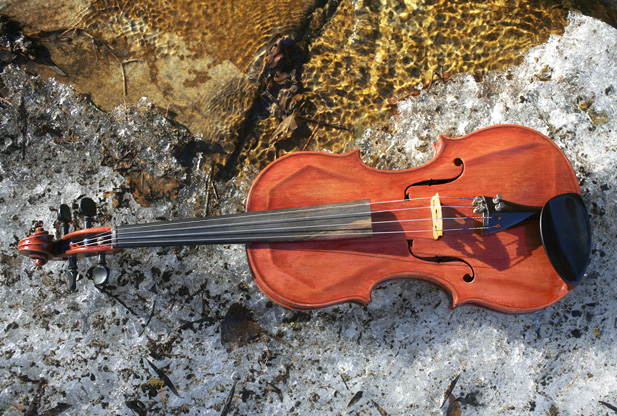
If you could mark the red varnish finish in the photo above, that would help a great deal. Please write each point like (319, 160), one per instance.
(511, 272)
(41, 247)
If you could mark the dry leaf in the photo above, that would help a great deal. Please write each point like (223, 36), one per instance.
(454, 407)
(355, 398)
(448, 392)
(147, 188)
(238, 327)
(166, 381)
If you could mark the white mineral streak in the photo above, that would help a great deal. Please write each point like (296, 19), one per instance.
(401, 351)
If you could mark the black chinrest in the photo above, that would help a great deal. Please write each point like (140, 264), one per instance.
(566, 235)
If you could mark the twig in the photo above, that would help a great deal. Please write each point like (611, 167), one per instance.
(162, 393)
(74, 29)
(431, 397)
(282, 341)
(122, 63)
(117, 299)
(441, 78)
(380, 409)
(124, 86)
(208, 178)
(310, 137)
(7, 101)
(228, 401)
(216, 193)
(430, 84)
(610, 406)
(325, 124)
(149, 318)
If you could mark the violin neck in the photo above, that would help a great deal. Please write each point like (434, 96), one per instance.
(316, 222)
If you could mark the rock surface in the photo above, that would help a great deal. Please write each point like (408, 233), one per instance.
(396, 356)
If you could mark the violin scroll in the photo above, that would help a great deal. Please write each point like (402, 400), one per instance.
(88, 242)
(38, 246)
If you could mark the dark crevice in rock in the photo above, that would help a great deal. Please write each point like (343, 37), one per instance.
(279, 91)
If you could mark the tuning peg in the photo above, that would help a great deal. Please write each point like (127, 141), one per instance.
(87, 208)
(71, 273)
(64, 216)
(100, 274)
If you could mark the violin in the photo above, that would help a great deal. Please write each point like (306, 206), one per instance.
(495, 220)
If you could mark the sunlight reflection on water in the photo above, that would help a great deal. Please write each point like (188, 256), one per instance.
(199, 60)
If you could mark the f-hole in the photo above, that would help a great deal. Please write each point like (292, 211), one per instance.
(467, 277)
(431, 182)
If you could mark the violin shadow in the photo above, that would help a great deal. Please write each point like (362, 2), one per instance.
(463, 240)
(388, 240)
(500, 250)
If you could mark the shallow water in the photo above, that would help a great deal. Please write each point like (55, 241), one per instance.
(199, 61)
(387, 49)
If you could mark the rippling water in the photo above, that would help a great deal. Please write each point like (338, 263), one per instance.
(201, 29)
(200, 60)
(372, 50)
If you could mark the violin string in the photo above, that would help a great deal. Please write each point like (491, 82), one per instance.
(106, 237)
(255, 214)
(108, 233)
(199, 225)
(203, 222)
(359, 233)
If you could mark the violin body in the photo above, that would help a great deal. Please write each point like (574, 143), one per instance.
(506, 271)
(324, 229)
